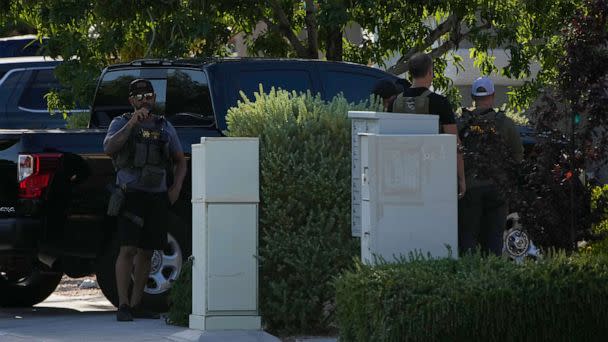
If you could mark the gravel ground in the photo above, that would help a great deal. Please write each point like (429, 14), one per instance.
(70, 287)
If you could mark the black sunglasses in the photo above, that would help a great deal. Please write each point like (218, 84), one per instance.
(140, 97)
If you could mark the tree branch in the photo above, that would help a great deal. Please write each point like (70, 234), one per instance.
(147, 53)
(401, 66)
(450, 25)
(284, 27)
(312, 29)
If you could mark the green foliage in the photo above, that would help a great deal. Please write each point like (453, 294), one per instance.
(561, 298)
(599, 209)
(78, 120)
(92, 34)
(572, 138)
(305, 234)
(180, 297)
(99, 33)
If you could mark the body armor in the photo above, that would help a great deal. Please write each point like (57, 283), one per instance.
(412, 104)
(147, 151)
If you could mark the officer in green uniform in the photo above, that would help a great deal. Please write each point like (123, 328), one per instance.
(145, 149)
(482, 212)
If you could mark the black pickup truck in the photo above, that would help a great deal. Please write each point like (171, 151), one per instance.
(53, 183)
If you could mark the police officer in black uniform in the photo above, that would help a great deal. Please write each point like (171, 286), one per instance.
(419, 99)
(144, 148)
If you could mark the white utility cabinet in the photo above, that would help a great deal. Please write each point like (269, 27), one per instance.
(225, 198)
(380, 123)
(409, 196)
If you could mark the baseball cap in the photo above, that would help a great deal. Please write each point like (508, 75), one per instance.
(482, 86)
(385, 88)
(140, 86)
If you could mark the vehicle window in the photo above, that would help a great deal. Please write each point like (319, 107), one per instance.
(114, 90)
(298, 80)
(20, 47)
(355, 86)
(178, 91)
(8, 85)
(42, 82)
(188, 98)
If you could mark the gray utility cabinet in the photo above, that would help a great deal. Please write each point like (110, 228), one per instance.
(409, 195)
(380, 123)
(225, 197)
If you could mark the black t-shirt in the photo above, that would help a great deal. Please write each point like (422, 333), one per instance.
(438, 105)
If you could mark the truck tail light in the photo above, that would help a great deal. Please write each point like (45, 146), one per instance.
(35, 172)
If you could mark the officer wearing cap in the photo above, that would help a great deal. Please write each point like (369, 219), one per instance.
(146, 152)
(483, 210)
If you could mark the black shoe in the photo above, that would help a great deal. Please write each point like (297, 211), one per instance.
(124, 313)
(139, 312)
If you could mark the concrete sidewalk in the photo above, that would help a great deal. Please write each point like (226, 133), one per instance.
(83, 319)
(93, 318)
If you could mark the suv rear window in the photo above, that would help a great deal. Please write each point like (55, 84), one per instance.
(182, 95)
(355, 86)
(42, 82)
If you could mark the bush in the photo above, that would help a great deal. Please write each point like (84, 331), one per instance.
(475, 298)
(180, 297)
(599, 213)
(305, 234)
(599, 209)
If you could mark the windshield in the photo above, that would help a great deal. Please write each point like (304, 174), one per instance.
(182, 95)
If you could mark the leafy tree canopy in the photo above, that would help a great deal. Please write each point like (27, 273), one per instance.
(108, 31)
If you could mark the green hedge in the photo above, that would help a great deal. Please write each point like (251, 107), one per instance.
(476, 299)
(305, 234)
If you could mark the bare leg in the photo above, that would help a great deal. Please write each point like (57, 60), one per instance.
(124, 265)
(143, 261)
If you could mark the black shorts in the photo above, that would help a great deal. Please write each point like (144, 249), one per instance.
(143, 221)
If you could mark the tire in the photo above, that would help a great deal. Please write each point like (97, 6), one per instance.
(28, 290)
(166, 267)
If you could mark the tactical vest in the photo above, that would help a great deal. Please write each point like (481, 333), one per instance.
(146, 150)
(412, 104)
(487, 156)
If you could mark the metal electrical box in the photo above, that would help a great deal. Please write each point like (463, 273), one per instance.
(380, 123)
(225, 198)
(409, 196)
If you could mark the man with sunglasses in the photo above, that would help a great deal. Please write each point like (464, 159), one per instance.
(146, 152)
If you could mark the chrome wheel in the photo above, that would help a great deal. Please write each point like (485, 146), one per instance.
(165, 268)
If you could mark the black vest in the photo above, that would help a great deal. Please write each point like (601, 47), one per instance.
(147, 149)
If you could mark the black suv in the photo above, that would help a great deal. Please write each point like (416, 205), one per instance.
(24, 81)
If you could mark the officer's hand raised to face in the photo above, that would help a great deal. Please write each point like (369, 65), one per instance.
(139, 115)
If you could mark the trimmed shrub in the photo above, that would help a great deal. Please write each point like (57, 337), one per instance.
(475, 299)
(305, 234)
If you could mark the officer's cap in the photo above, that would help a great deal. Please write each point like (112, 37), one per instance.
(140, 86)
(482, 86)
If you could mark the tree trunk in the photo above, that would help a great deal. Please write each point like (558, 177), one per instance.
(334, 44)
(312, 30)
